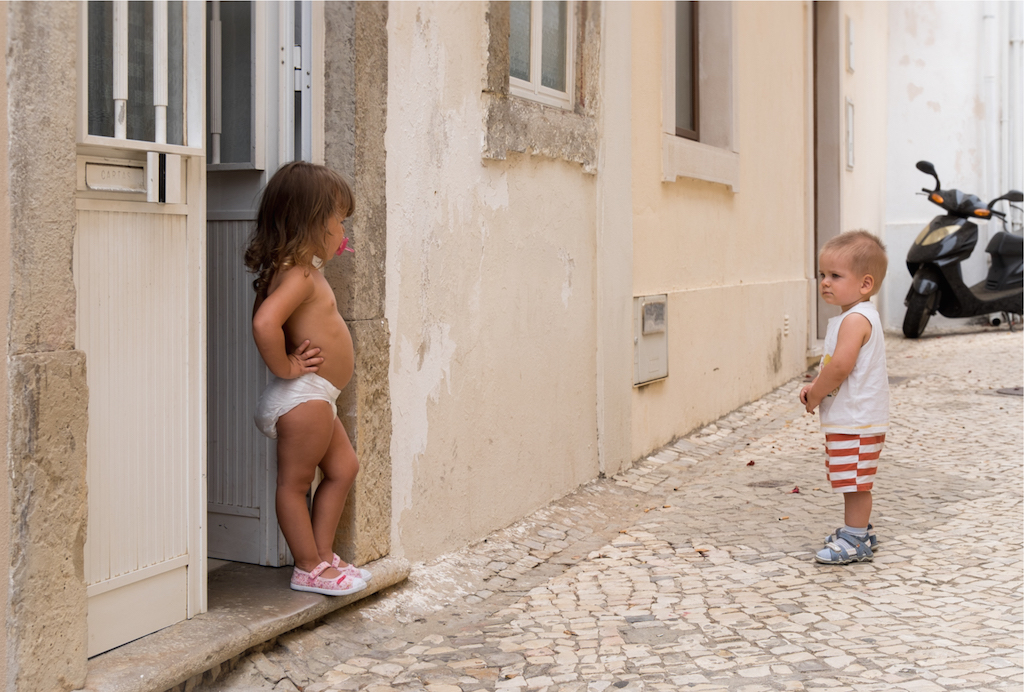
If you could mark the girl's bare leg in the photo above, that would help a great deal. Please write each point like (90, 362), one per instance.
(339, 466)
(304, 435)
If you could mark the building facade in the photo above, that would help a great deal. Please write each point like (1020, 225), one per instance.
(583, 229)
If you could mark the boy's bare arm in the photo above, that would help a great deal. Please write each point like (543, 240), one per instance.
(853, 334)
(268, 327)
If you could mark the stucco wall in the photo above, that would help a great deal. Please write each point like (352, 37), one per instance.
(937, 111)
(732, 264)
(490, 285)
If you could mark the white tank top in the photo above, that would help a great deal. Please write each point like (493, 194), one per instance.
(860, 405)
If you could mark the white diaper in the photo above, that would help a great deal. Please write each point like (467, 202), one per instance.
(281, 396)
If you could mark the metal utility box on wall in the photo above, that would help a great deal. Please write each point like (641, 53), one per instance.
(650, 338)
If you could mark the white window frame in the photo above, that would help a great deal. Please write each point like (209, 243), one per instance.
(533, 89)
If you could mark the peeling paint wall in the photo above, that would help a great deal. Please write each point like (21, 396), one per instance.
(490, 285)
(937, 112)
(732, 264)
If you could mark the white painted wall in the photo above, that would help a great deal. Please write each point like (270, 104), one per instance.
(940, 111)
(490, 299)
(863, 186)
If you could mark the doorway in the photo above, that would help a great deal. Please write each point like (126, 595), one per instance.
(261, 101)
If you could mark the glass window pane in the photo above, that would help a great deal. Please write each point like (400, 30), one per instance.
(236, 82)
(101, 68)
(141, 117)
(553, 45)
(175, 72)
(519, 39)
(685, 111)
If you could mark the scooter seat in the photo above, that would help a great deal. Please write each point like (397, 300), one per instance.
(1007, 251)
(1006, 244)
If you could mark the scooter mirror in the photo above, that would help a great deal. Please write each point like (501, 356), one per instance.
(927, 167)
(1011, 196)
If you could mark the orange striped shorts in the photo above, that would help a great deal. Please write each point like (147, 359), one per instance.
(852, 460)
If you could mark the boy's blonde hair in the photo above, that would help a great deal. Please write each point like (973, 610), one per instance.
(291, 225)
(864, 251)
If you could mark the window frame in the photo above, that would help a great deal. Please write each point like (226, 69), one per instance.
(533, 89)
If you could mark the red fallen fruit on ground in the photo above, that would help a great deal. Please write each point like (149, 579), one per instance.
(795, 490)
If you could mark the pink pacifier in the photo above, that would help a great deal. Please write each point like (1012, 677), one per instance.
(343, 247)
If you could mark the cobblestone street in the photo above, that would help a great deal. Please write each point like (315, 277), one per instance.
(694, 569)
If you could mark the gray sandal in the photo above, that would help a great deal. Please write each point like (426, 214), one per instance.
(872, 538)
(836, 553)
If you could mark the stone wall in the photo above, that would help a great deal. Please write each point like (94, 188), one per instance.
(5, 289)
(47, 396)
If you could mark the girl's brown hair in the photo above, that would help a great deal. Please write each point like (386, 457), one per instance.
(291, 225)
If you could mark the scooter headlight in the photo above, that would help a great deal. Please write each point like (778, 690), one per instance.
(932, 236)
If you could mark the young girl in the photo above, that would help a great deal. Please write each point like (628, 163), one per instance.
(307, 347)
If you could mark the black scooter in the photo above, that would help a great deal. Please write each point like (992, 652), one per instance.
(934, 261)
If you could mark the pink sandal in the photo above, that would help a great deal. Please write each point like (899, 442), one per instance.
(314, 583)
(351, 570)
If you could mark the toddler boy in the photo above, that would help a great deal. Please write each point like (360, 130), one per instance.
(852, 387)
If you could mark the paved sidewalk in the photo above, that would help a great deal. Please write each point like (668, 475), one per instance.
(694, 569)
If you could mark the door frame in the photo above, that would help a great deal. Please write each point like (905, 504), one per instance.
(828, 143)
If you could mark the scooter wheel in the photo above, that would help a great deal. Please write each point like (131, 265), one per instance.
(919, 311)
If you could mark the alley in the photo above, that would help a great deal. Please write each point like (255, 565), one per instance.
(694, 569)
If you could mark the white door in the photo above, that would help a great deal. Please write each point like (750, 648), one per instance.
(260, 105)
(139, 274)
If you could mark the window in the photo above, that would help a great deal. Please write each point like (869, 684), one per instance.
(141, 75)
(687, 53)
(526, 123)
(698, 134)
(136, 71)
(230, 82)
(540, 49)
(251, 95)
